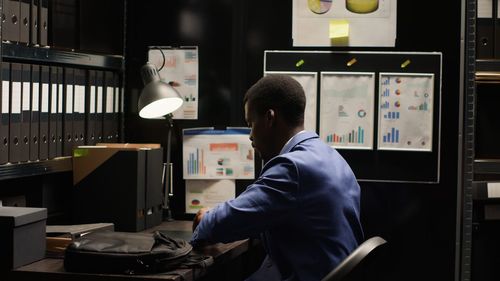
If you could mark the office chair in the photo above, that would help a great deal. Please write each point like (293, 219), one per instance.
(354, 267)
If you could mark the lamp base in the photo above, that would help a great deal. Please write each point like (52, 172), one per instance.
(167, 215)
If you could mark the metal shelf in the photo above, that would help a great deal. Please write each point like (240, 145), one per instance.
(10, 171)
(492, 65)
(487, 166)
(17, 52)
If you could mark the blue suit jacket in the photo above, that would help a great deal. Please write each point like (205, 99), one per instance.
(305, 206)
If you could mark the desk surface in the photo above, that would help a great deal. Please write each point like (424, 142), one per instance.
(53, 269)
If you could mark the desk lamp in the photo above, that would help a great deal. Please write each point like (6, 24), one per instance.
(159, 99)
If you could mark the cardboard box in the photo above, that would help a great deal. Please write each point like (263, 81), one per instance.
(22, 236)
(118, 183)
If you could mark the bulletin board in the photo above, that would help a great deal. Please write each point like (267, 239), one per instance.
(380, 110)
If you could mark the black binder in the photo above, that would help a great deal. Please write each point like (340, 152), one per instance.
(109, 94)
(10, 28)
(44, 112)
(25, 22)
(79, 108)
(43, 22)
(4, 117)
(91, 92)
(60, 112)
(26, 111)
(15, 114)
(34, 22)
(64, 24)
(485, 38)
(35, 113)
(116, 108)
(69, 134)
(53, 136)
(99, 80)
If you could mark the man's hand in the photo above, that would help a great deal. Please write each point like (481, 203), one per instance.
(199, 217)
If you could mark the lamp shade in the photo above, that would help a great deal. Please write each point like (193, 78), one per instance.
(157, 98)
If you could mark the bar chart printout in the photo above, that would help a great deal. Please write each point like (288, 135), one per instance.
(217, 154)
(347, 109)
(406, 111)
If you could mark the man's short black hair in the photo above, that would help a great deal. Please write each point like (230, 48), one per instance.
(281, 93)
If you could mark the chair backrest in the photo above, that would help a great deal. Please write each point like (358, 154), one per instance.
(355, 259)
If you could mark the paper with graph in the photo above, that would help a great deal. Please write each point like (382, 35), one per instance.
(217, 154)
(347, 109)
(405, 111)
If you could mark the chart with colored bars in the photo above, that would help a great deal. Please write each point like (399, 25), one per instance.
(354, 136)
(196, 163)
(392, 136)
(218, 154)
(406, 111)
(347, 109)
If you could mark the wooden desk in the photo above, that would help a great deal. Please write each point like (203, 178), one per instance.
(50, 269)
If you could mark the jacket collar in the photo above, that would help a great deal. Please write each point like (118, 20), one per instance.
(298, 138)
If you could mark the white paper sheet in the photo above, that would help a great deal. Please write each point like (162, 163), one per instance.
(309, 81)
(181, 67)
(208, 193)
(406, 105)
(217, 154)
(377, 28)
(347, 109)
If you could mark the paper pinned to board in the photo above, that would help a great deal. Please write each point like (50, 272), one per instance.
(208, 193)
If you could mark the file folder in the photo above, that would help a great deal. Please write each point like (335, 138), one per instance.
(485, 38)
(79, 108)
(91, 108)
(116, 108)
(99, 80)
(15, 114)
(26, 111)
(53, 113)
(44, 112)
(64, 29)
(25, 22)
(69, 134)
(108, 107)
(43, 22)
(4, 119)
(60, 110)
(34, 22)
(35, 113)
(10, 28)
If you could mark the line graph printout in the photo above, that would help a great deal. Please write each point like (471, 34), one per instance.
(405, 111)
(308, 81)
(217, 154)
(347, 109)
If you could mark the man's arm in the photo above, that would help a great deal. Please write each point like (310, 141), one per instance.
(264, 204)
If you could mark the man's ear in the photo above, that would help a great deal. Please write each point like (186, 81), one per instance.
(270, 117)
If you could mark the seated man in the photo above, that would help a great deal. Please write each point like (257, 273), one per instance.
(304, 204)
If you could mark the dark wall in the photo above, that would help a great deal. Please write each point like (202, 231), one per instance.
(418, 220)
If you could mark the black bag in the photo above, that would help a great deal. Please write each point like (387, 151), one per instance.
(125, 253)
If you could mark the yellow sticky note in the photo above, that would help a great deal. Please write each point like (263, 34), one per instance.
(339, 32)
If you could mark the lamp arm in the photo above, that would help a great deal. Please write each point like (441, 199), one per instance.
(168, 171)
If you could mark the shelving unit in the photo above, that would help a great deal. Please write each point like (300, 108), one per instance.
(36, 168)
(51, 56)
(93, 51)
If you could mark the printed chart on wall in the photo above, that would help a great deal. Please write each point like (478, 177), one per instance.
(309, 81)
(344, 23)
(208, 193)
(347, 109)
(406, 111)
(181, 71)
(217, 154)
